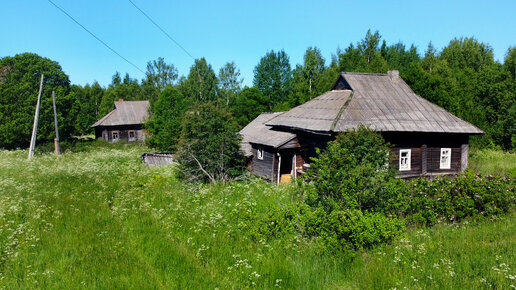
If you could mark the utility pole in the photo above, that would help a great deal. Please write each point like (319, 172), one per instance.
(57, 148)
(36, 117)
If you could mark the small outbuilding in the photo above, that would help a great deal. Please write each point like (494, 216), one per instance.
(125, 122)
(427, 140)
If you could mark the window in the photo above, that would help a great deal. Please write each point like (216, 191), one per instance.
(259, 153)
(445, 158)
(114, 136)
(404, 159)
(131, 136)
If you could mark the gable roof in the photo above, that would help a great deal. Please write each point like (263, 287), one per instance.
(383, 102)
(256, 132)
(126, 113)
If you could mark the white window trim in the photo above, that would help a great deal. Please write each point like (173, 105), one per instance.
(129, 135)
(407, 166)
(259, 152)
(113, 136)
(447, 164)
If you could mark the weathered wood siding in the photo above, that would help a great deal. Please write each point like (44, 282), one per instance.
(263, 167)
(157, 159)
(123, 132)
(415, 161)
(426, 152)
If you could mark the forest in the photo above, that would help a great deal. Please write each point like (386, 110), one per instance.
(463, 77)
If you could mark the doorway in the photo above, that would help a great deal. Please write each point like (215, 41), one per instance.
(285, 168)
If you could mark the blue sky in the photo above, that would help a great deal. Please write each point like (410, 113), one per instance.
(239, 31)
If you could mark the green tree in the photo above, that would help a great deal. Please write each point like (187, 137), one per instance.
(201, 84)
(229, 82)
(307, 78)
(273, 77)
(159, 75)
(19, 86)
(87, 104)
(365, 57)
(127, 89)
(209, 148)
(165, 122)
(248, 104)
(351, 172)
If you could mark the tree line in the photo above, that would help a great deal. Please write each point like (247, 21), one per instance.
(463, 78)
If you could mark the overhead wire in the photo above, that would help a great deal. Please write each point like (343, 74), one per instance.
(162, 30)
(96, 37)
(174, 41)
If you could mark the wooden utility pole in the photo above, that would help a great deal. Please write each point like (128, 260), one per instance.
(57, 148)
(36, 117)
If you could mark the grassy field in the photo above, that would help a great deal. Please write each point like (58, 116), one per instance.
(494, 162)
(100, 219)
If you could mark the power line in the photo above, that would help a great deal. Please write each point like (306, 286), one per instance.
(162, 30)
(100, 40)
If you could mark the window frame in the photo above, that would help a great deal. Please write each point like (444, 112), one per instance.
(259, 152)
(447, 164)
(113, 135)
(407, 166)
(129, 135)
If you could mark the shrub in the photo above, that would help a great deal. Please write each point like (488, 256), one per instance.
(351, 172)
(209, 147)
(353, 230)
(424, 201)
(347, 231)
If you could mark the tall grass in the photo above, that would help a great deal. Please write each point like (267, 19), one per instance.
(494, 162)
(100, 219)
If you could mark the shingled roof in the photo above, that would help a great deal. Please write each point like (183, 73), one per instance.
(383, 102)
(126, 113)
(256, 132)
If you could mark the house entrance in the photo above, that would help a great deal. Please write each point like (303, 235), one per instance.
(285, 170)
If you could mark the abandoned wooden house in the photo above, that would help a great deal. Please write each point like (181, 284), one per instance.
(124, 123)
(427, 140)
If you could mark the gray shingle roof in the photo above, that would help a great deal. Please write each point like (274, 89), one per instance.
(256, 132)
(382, 102)
(126, 113)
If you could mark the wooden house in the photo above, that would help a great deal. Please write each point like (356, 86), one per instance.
(124, 123)
(427, 140)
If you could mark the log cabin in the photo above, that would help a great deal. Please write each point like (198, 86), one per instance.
(124, 123)
(426, 139)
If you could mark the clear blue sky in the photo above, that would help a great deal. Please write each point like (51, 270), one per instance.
(240, 31)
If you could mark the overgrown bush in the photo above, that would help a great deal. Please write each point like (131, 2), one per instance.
(344, 231)
(209, 147)
(351, 172)
(424, 201)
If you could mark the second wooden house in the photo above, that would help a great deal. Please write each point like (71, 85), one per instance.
(124, 123)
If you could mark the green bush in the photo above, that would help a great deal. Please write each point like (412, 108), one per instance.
(209, 147)
(352, 230)
(452, 199)
(351, 172)
(339, 231)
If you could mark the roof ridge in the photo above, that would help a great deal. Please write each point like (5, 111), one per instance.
(364, 73)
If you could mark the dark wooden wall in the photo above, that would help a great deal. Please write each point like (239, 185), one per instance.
(426, 152)
(123, 132)
(263, 167)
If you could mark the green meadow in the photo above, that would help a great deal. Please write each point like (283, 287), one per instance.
(100, 219)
